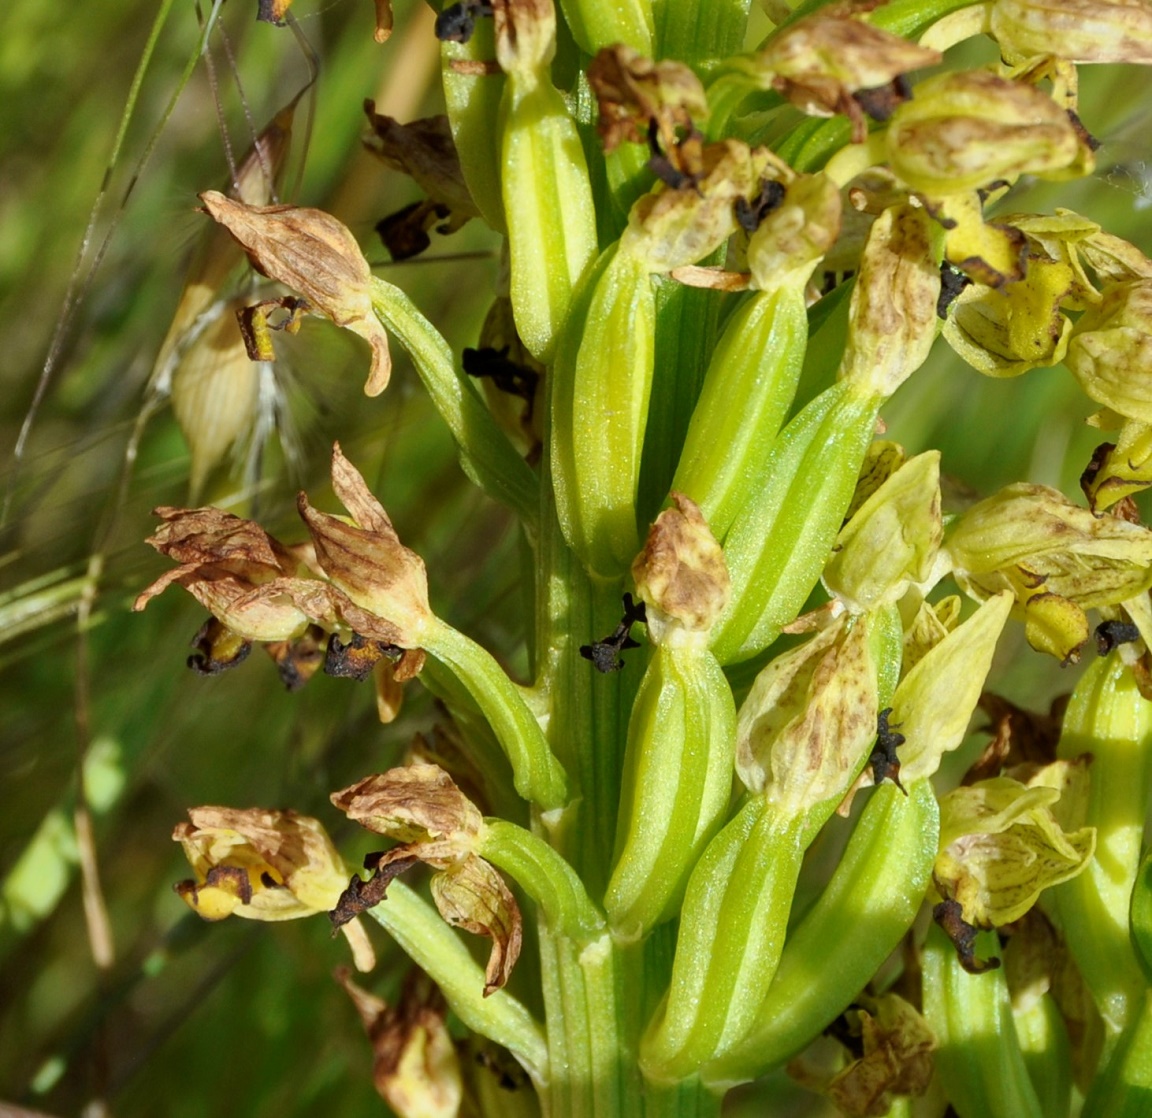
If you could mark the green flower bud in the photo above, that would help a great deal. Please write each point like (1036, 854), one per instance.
(1076, 30)
(892, 317)
(781, 538)
(677, 783)
(892, 540)
(601, 383)
(1110, 353)
(1109, 718)
(963, 131)
(754, 369)
(803, 730)
(1056, 558)
(546, 191)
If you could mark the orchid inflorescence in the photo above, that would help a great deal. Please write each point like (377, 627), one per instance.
(721, 264)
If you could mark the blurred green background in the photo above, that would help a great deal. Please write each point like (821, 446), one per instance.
(188, 1018)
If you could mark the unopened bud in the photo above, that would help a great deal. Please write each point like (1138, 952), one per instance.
(892, 316)
(805, 726)
(681, 575)
(962, 131)
(1076, 30)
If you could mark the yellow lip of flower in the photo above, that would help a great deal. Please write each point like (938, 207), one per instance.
(258, 864)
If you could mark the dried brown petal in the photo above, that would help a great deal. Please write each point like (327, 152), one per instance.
(416, 803)
(367, 562)
(820, 61)
(635, 94)
(415, 1067)
(472, 895)
(315, 255)
(425, 151)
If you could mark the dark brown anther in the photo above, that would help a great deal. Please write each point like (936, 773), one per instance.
(1086, 137)
(949, 914)
(506, 374)
(1095, 464)
(751, 214)
(885, 764)
(880, 101)
(509, 1075)
(299, 660)
(363, 895)
(952, 282)
(405, 233)
(357, 658)
(1109, 634)
(232, 878)
(605, 654)
(217, 649)
(457, 22)
(847, 1033)
(664, 167)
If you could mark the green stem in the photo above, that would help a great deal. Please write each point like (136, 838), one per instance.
(1109, 718)
(1124, 1088)
(486, 455)
(537, 774)
(545, 876)
(979, 1058)
(418, 929)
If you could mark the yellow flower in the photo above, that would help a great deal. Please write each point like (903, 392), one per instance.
(258, 864)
